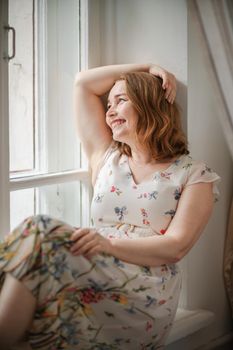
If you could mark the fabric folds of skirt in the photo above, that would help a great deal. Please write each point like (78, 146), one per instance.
(101, 303)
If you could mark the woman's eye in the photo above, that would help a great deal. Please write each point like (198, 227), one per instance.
(119, 100)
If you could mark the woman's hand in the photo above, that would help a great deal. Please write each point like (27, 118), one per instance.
(169, 81)
(89, 242)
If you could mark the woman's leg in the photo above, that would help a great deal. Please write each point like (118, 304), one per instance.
(17, 306)
(35, 254)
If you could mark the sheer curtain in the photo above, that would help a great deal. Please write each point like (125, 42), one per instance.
(216, 20)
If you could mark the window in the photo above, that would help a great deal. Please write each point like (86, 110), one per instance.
(48, 173)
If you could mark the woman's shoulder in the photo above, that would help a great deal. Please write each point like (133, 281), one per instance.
(191, 164)
(195, 170)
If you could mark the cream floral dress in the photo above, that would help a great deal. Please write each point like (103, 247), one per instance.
(104, 303)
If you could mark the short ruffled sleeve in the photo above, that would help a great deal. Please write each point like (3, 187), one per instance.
(200, 172)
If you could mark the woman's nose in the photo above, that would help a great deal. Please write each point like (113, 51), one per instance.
(111, 111)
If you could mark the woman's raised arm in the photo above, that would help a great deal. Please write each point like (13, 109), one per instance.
(90, 85)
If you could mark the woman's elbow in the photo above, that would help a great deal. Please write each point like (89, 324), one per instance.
(180, 252)
(79, 79)
(173, 251)
(168, 260)
(177, 252)
(177, 257)
(173, 259)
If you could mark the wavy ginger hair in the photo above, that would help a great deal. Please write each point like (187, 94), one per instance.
(159, 125)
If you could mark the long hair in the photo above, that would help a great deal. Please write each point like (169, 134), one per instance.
(159, 126)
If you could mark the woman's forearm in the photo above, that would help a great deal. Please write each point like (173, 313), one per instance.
(99, 80)
(149, 251)
(146, 251)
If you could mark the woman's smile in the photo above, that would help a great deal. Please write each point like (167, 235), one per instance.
(121, 115)
(117, 122)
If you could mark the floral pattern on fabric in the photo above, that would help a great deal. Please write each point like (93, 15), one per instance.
(151, 203)
(104, 303)
(101, 303)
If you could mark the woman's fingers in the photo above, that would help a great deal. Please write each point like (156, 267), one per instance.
(170, 93)
(169, 84)
(85, 248)
(169, 81)
(88, 240)
(170, 96)
(82, 237)
(79, 233)
(93, 251)
(173, 97)
(84, 240)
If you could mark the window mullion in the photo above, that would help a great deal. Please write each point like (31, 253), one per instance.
(48, 179)
(41, 88)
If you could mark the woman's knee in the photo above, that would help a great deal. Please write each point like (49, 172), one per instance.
(41, 223)
(17, 307)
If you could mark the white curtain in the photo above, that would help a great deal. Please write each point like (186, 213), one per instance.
(216, 20)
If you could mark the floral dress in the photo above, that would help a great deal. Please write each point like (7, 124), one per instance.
(104, 303)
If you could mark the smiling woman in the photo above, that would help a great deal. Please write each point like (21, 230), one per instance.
(153, 122)
(116, 284)
(121, 115)
(119, 100)
(138, 114)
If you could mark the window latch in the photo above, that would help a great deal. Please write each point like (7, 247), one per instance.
(12, 29)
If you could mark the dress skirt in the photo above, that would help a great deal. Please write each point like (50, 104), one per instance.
(100, 303)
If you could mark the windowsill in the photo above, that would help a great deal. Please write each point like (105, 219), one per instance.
(188, 322)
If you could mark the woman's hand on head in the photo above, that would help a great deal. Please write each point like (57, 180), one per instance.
(89, 242)
(169, 81)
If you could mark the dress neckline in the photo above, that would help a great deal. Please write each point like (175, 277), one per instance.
(153, 174)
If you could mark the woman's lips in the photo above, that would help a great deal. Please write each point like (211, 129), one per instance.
(117, 122)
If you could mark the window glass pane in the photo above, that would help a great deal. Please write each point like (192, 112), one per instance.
(59, 201)
(22, 205)
(61, 49)
(41, 77)
(21, 90)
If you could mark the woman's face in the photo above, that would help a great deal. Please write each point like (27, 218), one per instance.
(121, 116)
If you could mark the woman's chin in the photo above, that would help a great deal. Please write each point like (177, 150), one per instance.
(119, 136)
(116, 137)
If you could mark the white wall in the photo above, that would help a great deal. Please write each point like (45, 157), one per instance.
(205, 285)
(144, 31)
(141, 28)
(156, 31)
(207, 142)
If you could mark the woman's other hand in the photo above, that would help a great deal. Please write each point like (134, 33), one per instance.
(169, 81)
(89, 242)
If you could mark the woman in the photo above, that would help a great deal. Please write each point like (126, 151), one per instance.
(114, 285)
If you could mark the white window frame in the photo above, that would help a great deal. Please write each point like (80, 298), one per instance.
(4, 123)
(19, 182)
